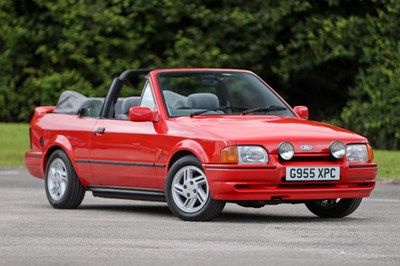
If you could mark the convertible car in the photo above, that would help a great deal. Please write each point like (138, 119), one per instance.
(197, 139)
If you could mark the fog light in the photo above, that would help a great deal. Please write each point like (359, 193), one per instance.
(286, 151)
(338, 149)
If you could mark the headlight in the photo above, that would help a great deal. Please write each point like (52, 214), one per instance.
(252, 154)
(286, 151)
(357, 153)
(244, 155)
(338, 149)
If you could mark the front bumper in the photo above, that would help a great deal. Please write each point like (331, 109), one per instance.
(236, 183)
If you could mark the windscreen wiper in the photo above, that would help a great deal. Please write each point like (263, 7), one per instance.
(264, 109)
(221, 108)
(199, 112)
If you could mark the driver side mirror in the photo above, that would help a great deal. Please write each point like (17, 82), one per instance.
(143, 114)
(301, 111)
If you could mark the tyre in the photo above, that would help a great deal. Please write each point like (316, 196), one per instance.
(333, 208)
(63, 188)
(187, 192)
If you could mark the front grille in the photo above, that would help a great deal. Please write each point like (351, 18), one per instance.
(312, 158)
(308, 159)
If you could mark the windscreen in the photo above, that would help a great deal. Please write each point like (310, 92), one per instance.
(210, 93)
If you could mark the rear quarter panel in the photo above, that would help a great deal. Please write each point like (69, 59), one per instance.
(60, 131)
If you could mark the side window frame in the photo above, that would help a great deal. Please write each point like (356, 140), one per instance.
(147, 93)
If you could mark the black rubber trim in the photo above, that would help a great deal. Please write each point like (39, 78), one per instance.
(363, 166)
(34, 155)
(128, 193)
(122, 163)
(240, 167)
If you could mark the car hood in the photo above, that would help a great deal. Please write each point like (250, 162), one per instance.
(270, 131)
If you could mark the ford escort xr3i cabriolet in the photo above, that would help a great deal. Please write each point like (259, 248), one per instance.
(197, 139)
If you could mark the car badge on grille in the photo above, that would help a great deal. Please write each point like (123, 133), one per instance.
(306, 147)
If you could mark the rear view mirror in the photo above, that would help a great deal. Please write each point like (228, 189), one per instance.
(142, 114)
(301, 111)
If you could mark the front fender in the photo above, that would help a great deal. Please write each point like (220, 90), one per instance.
(191, 146)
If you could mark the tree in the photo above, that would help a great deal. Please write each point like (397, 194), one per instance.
(338, 57)
(365, 44)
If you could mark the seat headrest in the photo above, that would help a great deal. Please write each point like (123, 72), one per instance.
(203, 101)
(128, 103)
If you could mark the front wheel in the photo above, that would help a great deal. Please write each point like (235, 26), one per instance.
(188, 194)
(333, 208)
(63, 188)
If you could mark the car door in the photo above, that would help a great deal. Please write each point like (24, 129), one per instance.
(123, 152)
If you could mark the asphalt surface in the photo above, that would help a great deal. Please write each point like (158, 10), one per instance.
(122, 232)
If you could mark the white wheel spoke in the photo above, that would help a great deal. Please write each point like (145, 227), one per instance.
(53, 171)
(189, 203)
(201, 195)
(332, 201)
(179, 189)
(186, 202)
(189, 189)
(187, 174)
(53, 190)
(63, 176)
(63, 187)
(57, 179)
(200, 180)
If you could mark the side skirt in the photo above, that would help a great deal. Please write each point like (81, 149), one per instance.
(128, 193)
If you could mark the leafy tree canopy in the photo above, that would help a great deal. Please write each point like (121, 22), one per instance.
(341, 58)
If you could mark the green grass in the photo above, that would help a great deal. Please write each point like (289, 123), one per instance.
(388, 163)
(14, 141)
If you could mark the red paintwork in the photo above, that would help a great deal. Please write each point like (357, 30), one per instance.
(143, 114)
(155, 142)
(301, 111)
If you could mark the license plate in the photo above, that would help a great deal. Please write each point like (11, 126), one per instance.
(312, 173)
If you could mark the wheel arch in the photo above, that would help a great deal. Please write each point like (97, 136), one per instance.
(59, 142)
(177, 156)
(187, 147)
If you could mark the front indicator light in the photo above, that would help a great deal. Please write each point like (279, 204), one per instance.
(337, 149)
(370, 153)
(286, 151)
(244, 155)
(229, 155)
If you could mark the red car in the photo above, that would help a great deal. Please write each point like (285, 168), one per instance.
(197, 139)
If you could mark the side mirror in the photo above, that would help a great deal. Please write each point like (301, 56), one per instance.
(301, 111)
(142, 114)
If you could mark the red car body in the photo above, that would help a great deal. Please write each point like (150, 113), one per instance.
(138, 153)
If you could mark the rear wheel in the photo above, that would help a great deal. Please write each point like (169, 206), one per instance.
(333, 208)
(188, 194)
(63, 188)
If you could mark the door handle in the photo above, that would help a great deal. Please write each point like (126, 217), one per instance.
(99, 131)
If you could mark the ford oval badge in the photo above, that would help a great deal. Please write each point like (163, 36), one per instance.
(306, 147)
